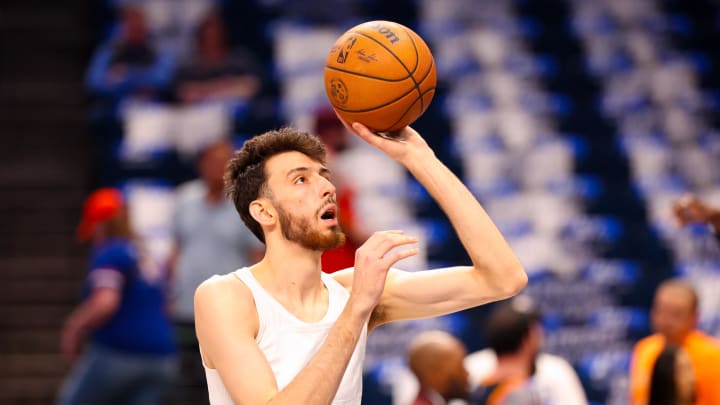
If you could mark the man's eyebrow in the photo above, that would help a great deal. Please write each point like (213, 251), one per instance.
(323, 171)
(297, 170)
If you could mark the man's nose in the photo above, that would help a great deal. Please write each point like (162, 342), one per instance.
(328, 188)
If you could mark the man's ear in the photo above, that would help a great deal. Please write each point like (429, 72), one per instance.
(263, 212)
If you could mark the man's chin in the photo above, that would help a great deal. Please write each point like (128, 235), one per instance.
(336, 240)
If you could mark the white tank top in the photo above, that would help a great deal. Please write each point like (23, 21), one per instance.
(289, 343)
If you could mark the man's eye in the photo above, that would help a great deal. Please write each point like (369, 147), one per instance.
(300, 180)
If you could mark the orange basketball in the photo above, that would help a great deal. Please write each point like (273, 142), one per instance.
(380, 74)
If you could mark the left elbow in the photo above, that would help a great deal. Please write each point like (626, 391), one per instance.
(518, 281)
(511, 281)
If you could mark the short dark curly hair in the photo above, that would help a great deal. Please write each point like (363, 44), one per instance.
(245, 176)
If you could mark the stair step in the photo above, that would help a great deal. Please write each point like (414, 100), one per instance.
(40, 292)
(32, 221)
(53, 65)
(41, 244)
(43, 168)
(16, 117)
(60, 18)
(41, 91)
(19, 365)
(36, 198)
(26, 341)
(67, 266)
(28, 317)
(29, 391)
(43, 141)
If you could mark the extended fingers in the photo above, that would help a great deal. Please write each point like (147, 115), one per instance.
(398, 255)
(386, 240)
(392, 241)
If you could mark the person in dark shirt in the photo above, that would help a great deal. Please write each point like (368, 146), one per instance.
(514, 333)
(131, 355)
(218, 72)
(129, 65)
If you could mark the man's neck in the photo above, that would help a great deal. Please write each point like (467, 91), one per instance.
(513, 365)
(678, 339)
(291, 271)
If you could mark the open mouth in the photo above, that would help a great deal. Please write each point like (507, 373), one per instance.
(329, 213)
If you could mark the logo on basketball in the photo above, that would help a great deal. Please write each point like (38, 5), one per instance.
(366, 57)
(345, 51)
(338, 91)
(387, 32)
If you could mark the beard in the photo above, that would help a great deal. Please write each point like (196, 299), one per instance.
(301, 231)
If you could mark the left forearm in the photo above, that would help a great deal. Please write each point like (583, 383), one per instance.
(85, 319)
(483, 242)
(94, 311)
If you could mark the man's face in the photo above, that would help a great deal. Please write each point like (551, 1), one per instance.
(301, 192)
(673, 314)
(211, 165)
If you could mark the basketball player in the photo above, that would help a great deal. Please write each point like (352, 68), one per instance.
(282, 331)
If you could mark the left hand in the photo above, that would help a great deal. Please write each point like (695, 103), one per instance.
(406, 143)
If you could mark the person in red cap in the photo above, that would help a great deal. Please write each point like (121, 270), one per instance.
(131, 355)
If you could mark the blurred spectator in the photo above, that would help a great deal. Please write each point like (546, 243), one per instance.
(514, 334)
(436, 359)
(673, 378)
(690, 209)
(332, 134)
(131, 358)
(129, 65)
(674, 319)
(209, 238)
(217, 71)
(554, 377)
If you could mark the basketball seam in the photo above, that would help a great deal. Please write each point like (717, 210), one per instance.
(417, 56)
(422, 103)
(421, 98)
(387, 103)
(417, 63)
(408, 109)
(364, 75)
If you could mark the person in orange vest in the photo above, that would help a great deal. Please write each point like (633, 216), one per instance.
(674, 318)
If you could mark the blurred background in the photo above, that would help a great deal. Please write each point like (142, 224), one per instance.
(575, 122)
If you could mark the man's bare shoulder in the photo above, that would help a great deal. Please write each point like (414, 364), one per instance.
(344, 277)
(226, 292)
